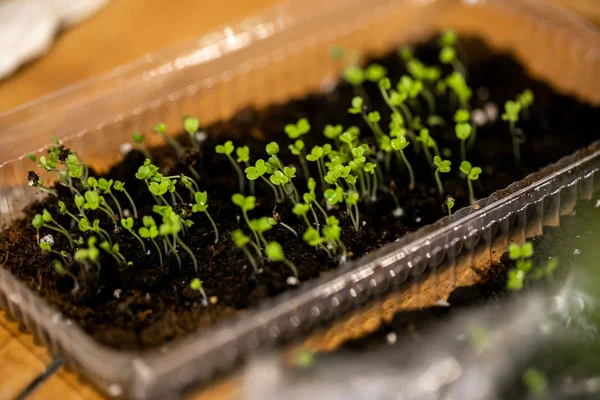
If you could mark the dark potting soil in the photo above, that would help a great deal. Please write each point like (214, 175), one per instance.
(147, 305)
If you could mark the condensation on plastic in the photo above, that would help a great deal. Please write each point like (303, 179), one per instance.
(280, 54)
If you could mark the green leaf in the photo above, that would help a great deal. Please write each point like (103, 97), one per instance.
(315, 153)
(160, 128)
(191, 125)
(332, 132)
(300, 209)
(104, 184)
(526, 98)
(127, 223)
(37, 221)
(272, 148)
(46, 216)
(137, 137)
(225, 148)
(514, 251)
(447, 55)
(312, 237)
(290, 172)
(148, 221)
(399, 143)
(354, 75)
(274, 251)
(334, 196)
(196, 284)
(515, 279)
(465, 167)
(79, 200)
(84, 225)
(461, 115)
(239, 238)
(463, 130)
(45, 246)
(375, 72)
(474, 173)
(527, 250)
(278, 178)
(352, 197)
(385, 84)
(201, 197)
(243, 154)
(511, 111)
(373, 117)
(448, 38)
(357, 105)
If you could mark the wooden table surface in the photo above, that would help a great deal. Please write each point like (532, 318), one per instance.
(124, 30)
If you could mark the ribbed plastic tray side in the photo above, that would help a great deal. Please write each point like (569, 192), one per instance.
(269, 59)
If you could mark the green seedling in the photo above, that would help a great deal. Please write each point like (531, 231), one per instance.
(114, 252)
(428, 143)
(512, 109)
(62, 208)
(170, 227)
(258, 171)
(472, 174)
(246, 204)
(456, 82)
(105, 186)
(120, 187)
(89, 255)
(196, 284)
(85, 226)
(94, 201)
(395, 99)
(62, 271)
(201, 205)
(226, 149)
(300, 210)
(399, 144)
(333, 131)
(241, 240)
(45, 220)
(127, 224)
(375, 72)
(139, 139)
(522, 255)
(161, 129)
(46, 246)
(191, 126)
(449, 204)
(316, 155)
(526, 99)
(150, 231)
(463, 131)
(441, 166)
(275, 253)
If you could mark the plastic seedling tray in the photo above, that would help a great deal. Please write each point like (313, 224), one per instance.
(277, 55)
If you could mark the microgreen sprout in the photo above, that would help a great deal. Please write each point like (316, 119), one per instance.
(442, 166)
(522, 255)
(525, 99)
(275, 253)
(150, 231)
(114, 252)
(227, 148)
(428, 143)
(127, 224)
(399, 144)
(316, 156)
(201, 205)
(139, 138)
(241, 240)
(191, 126)
(47, 246)
(120, 187)
(258, 171)
(170, 227)
(62, 271)
(456, 82)
(45, 220)
(246, 204)
(472, 174)
(89, 255)
(463, 131)
(449, 204)
(511, 114)
(161, 129)
(196, 284)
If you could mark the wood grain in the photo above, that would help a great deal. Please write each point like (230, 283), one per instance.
(125, 30)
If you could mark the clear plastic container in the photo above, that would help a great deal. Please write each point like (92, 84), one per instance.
(272, 57)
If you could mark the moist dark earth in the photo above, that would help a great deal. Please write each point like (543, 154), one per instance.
(147, 305)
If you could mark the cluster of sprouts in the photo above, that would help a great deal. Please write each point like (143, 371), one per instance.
(349, 168)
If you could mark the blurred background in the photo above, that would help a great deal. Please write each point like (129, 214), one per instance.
(49, 44)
